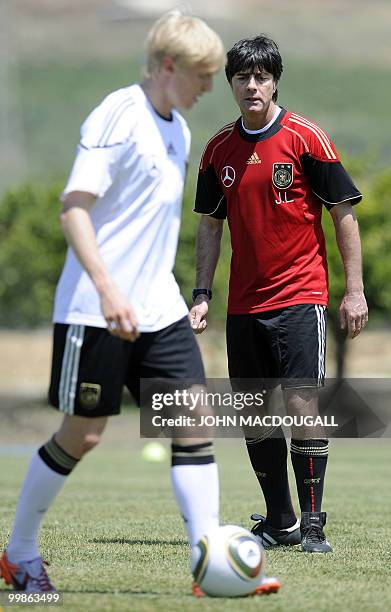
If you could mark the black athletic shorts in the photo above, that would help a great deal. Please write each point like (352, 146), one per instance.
(90, 366)
(285, 346)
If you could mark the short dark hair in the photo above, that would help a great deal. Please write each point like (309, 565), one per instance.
(258, 52)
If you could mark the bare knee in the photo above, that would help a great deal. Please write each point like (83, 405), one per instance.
(77, 435)
(89, 442)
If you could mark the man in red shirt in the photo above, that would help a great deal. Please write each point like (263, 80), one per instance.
(270, 173)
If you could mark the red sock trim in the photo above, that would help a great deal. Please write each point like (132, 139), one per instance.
(312, 487)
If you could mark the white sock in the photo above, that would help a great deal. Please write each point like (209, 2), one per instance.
(40, 487)
(196, 489)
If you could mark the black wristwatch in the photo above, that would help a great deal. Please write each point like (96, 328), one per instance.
(197, 292)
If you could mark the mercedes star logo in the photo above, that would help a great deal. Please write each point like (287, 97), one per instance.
(228, 176)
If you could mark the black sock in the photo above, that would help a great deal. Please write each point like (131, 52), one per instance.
(269, 460)
(309, 460)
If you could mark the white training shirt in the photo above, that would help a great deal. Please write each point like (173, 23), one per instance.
(134, 161)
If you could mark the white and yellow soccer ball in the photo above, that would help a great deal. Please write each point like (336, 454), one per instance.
(228, 562)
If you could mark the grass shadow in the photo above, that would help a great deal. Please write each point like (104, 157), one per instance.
(137, 542)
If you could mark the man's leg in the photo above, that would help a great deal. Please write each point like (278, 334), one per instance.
(268, 455)
(309, 449)
(46, 475)
(169, 355)
(251, 358)
(86, 384)
(268, 458)
(303, 346)
(309, 454)
(195, 481)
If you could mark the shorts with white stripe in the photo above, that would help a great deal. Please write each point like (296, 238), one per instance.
(90, 367)
(285, 346)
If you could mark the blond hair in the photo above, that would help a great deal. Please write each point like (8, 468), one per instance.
(186, 39)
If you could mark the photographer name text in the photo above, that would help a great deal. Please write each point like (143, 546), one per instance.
(241, 420)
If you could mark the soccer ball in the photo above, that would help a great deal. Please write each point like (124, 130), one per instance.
(228, 562)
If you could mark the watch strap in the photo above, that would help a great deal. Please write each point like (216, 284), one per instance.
(197, 292)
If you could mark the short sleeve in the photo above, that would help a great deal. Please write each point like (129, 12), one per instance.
(209, 198)
(328, 178)
(104, 139)
(329, 181)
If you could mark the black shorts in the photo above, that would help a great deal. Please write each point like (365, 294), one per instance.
(90, 366)
(285, 346)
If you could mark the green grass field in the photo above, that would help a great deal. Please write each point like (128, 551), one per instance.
(115, 541)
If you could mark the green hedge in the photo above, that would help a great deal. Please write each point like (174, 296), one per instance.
(374, 216)
(32, 250)
(185, 263)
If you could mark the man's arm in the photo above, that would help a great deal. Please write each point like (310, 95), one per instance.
(209, 235)
(353, 309)
(80, 234)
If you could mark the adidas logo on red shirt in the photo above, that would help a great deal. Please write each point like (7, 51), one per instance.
(253, 159)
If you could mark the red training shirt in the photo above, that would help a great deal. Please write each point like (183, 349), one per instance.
(271, 186)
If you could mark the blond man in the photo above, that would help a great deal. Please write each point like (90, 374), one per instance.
(119, 315)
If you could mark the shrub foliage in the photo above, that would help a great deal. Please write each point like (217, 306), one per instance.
(32, 250)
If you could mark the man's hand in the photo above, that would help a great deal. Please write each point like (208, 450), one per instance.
(353, 313)
(120, 316)
(197, 315)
